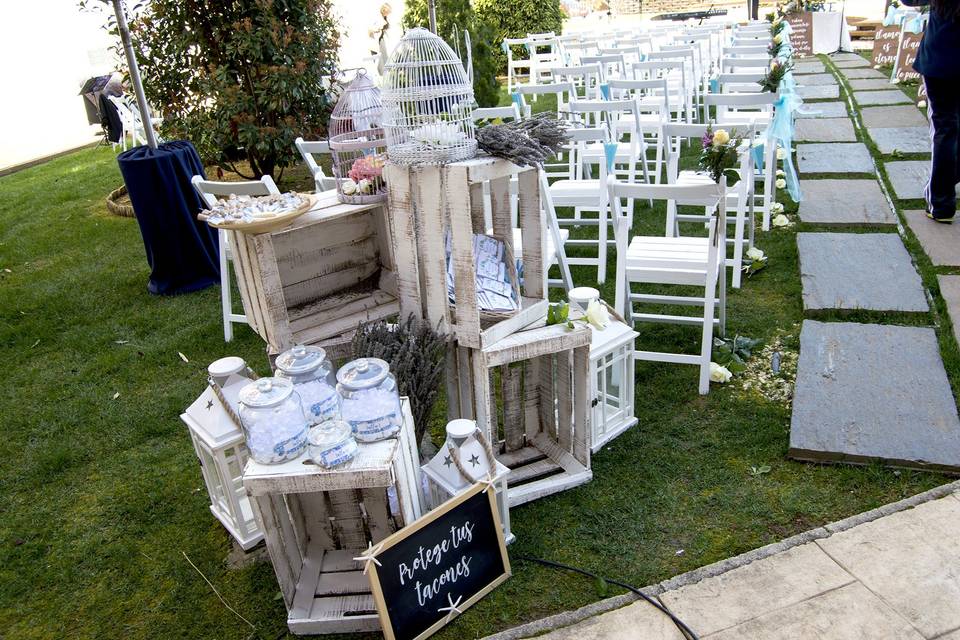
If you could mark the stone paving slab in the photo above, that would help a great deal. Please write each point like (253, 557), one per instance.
(845, 56)
(869, 392)
(834, 157)
(908, 177)
(863, 73)
(869, 84)
(950, 290)
(898, 116)
(818, 92)
(621, 624)
(848, 613)
(823, 110)
(738, 595)
(851, 64)
(905, 139)
(892, 96)
(803, 68)
(919, 547)
(859, 271)
(941, 242)
(816, 79)
(825, 130)
(844, 202)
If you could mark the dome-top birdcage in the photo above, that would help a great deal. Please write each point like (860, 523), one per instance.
(427, 102)
(358, 143)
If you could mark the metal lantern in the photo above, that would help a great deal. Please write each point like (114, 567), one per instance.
(461, 461)
(219, 444)
(358, 144)
(427, 102)
(611, 373)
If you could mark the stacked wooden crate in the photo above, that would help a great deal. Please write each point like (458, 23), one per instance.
(525, 384)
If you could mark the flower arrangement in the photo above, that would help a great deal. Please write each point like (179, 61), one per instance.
(776, 46)
(596, 315)
(365, 176)
(719, 155)
(774, 76)
(777, 27)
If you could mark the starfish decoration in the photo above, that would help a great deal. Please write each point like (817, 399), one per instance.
(475, 460)
(447, 461)
(209, 404)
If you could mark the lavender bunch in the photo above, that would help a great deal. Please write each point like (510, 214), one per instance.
(525, 143)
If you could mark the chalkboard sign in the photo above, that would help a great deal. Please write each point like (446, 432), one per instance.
(801, 39)
(429, 572)
(885, 43)
(906, 54)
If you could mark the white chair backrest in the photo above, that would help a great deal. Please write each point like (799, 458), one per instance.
(508, 113)
(613, 64)
(586, 79)
(211, 191)
(599, 112)
(309, 148)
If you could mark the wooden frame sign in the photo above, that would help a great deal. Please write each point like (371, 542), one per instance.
(429, 572)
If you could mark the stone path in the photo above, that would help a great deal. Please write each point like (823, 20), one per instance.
(825, 130)
(908, 178)
(844, 202)
(902, 139)
(834, 157)
(871, 98)
(823, 110)
(885, 575)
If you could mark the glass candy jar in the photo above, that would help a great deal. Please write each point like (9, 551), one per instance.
(370, 402)
(331, 443)
(313, 379)
(273, 420)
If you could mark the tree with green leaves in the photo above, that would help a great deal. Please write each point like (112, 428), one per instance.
(516, 19)
(241, 79)
(453, 17)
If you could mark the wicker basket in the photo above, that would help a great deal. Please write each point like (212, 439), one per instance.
(427, 102)
(358, 143)
(115, 207)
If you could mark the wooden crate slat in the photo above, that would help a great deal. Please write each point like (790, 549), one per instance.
(347, 324)
(344, 583)
(581, 405)
(409, 487)
(531, 398)
(297, 521)
(378, 513)
(241, 272)
(533, 471)
(462, 256)
(284, 556)
(348, 522)
(335, 560)
(564, 386)
(478, 215)
(513, 406)
(520, 457)
(402, 222)
(533, 225)
(319, 267)
(482, 393)
(536, 342)
(245, 254)
(350, 276)
(307, 584)
(484, 168)
(314, 508)
(336, 306)
(450, 364)
(532, 311)
(316, 250)
(548, 406)
(464, 376)
(500, 210)
(271, 292)
(431, 246)
(338, 614)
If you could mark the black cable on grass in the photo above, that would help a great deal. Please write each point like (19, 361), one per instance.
(684, 629)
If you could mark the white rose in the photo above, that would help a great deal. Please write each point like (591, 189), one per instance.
(781, 173)
(776, 207)
(721, 137)
(922, 104)
(781, 153)
(363, 186)
(755, 254)
(781, 221)
(348, 187)
(778, 38)
(781, 183)
(719, 373)
(597, 314)
(877, 67)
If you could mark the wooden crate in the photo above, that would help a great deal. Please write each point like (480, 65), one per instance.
(425, 203)
(530, 393)
(315, 521)
(314, 281)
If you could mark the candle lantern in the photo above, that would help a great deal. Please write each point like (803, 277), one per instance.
(611, 372)
(218, 441)
(464, 459)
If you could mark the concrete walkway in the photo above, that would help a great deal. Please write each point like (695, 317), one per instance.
(890, 577)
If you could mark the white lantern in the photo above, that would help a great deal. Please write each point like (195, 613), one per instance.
(611, 373)
(219, 444)
(446, 478)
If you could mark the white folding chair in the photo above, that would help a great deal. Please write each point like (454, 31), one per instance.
(613, 65)
(683, 261)
(209, 192)
(563, 91)
(586, 80)
(322, 182)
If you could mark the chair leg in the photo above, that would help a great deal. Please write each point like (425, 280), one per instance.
(737, 250)
(226, 303)
(603, 218)
(706, 344)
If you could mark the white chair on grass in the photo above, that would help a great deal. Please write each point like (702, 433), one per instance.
(209, 192)
(681, 261)
(307, 150)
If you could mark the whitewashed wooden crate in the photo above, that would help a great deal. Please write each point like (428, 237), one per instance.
(315, 280)
(424, 203)
(530, 393)
(315, 521)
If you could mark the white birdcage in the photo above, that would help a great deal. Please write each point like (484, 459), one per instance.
(427, 102)
(358, 144)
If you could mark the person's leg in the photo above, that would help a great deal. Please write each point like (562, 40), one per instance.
(944, 112)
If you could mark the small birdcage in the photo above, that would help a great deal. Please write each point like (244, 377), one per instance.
(427, 102)
(358, 143)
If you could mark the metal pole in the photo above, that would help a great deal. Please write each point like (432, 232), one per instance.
(432, 10)
(135, 74)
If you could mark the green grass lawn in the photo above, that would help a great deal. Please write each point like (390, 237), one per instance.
(103, 498)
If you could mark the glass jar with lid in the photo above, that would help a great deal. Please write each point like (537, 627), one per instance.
(331, 443)
(273, 420)
(313, 379)
(369, 399)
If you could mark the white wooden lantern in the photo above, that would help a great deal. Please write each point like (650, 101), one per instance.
(219, 444)
(611, 374)
(445, 478)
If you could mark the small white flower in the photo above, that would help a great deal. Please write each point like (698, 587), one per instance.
(922, 104)
(781, 153)
(348, 187)
(776, 207)
(597, 314)
(877, 67)
(781, 220)
(781, 183)
(755, 254)
(781, 173)
(363, 186)
(719, 373)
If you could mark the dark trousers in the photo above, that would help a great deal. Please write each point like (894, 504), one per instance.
(943, 99)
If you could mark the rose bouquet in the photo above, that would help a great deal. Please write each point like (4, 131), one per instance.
(719, 155)
(365, 176)
(774, 76)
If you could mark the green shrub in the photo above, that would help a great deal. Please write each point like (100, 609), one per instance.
(453, 16)
(516, 19)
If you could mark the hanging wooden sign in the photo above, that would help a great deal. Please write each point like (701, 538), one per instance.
(429, 572)
(801, 38)
(885, 44)
(906, 54)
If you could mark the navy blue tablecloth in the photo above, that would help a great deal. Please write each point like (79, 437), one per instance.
(183, 253)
